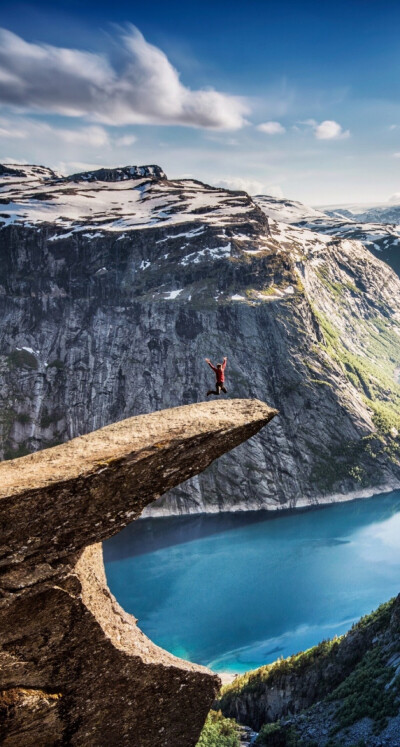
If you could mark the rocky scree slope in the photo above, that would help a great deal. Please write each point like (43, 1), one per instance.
(114, 287)
(342, 692)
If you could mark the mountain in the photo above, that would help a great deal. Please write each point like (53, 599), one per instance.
(116, 284)
(344, 692)
(378, 228)
(387, 212)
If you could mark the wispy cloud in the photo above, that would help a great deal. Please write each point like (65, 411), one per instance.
(10, 133)
(92, 136)
(143, 88)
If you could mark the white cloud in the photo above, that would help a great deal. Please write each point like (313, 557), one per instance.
(125, 140)
(396, 155)
(74, 167)
(275, 191)
(11, 159)
(395, 199)
(329, 130)
(94, 136)
(271, 128)
(251, 186)
(143, 88)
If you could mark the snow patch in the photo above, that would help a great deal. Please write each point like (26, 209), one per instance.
(173, 294)
(215, 253)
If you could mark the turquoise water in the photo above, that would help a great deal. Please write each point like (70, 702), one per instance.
(235, 591)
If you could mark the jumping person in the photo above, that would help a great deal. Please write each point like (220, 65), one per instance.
(220, 375)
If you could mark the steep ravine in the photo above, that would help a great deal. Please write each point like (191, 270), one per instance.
(111, 314)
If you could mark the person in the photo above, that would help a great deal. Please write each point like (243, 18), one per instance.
(220, 376)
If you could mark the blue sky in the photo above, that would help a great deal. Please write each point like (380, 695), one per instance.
(299, 99)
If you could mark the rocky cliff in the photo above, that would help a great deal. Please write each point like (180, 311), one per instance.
(75, 668)
(340, 693)
(114, 287)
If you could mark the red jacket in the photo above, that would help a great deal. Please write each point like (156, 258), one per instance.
(219, 372)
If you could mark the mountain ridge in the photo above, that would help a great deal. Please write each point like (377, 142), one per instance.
(113, 293)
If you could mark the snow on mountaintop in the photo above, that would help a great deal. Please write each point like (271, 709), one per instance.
(286, 211)
(383, 213)
(128, 198)
(378, 228)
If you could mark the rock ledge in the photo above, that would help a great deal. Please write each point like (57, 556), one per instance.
(75, 668)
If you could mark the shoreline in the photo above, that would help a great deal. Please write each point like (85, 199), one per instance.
(301, 505)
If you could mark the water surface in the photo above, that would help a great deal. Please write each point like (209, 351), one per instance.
(235, 591)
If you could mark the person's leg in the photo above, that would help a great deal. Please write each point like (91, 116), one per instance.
(218, 388)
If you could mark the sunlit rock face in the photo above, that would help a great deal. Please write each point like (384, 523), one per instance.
(114, 287)
(75, 668)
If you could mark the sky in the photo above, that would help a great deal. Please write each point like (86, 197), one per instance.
(298, 99)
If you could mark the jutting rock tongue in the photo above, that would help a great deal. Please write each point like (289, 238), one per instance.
(75, 668)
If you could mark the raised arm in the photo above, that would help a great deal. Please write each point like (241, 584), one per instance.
(224, 363)
(210, 364)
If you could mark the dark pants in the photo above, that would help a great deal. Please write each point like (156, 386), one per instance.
(218, 387)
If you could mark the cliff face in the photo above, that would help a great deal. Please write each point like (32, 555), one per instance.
(339, 692)
(75, 668)
(113, 291)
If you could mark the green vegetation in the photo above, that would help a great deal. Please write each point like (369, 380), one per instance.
(321, 381)
(256, 680)
(336, 288)
(219, 732)
(363, 693)
(271, 291)
(56, 363)
(316, 657)
(21, 451)
(267, 730)
(48, 419)
(22, 359)
(378, 618)
(373, 373)
(23, 418)
(276, 735)
(345, 461)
